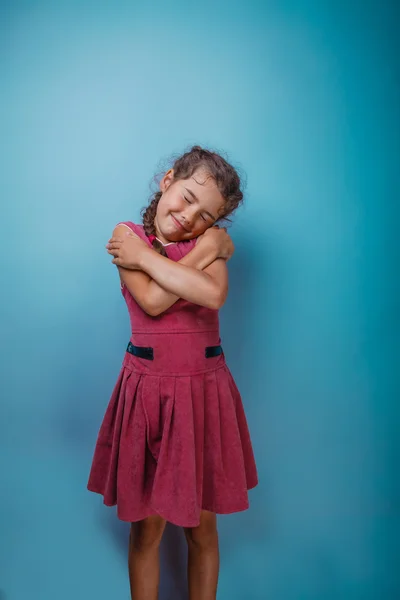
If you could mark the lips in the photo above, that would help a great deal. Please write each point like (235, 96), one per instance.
(179, 225)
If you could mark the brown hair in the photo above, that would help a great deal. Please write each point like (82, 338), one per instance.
(225, 176)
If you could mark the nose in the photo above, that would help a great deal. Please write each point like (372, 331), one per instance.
(188, 217)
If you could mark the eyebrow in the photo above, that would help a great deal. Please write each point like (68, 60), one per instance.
(196, 198)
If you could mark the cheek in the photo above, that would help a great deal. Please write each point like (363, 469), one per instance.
(200, 228)
(164, 208)
(172, 204)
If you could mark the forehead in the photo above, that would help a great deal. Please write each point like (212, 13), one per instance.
(205, 189)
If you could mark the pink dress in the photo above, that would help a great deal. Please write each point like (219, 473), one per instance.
(174, 439)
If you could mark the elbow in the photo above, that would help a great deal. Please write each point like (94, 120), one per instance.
(219, 304)
(144, 303)
(150, 309)
(217, 299)
(153, 311)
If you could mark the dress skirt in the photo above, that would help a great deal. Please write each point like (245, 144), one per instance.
(174, 439)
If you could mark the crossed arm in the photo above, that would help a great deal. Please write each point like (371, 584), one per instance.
(157, 282)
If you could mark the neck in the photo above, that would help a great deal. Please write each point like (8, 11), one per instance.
(161, 238)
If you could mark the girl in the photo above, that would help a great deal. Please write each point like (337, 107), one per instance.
(174, 443)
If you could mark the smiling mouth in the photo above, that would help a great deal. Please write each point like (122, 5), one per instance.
(179, 225)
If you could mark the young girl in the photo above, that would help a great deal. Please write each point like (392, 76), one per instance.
(174, 443)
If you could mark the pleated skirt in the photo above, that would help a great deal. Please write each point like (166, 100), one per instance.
(174, 439)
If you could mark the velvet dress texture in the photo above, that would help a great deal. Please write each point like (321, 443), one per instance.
(174, 438)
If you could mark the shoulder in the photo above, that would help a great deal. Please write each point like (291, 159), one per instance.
(124, 225)
(186, 245)
(178, 250)
(189, 243)
(129, 225)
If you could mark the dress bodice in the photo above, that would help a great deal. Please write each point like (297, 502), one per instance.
(183, 316)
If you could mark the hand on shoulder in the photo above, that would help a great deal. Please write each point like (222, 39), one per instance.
(126, 247)
(219, 238)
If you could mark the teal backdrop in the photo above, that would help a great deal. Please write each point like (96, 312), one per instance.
(304, 97)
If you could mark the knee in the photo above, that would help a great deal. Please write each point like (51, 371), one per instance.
(147, 534)
(204, 536)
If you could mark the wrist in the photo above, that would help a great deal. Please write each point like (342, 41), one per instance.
(142, 258)
(209, 248)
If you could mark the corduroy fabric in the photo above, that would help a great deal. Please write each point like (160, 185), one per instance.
(174, 439)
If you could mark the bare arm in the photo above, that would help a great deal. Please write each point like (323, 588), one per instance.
(149, 294)
(207, 288)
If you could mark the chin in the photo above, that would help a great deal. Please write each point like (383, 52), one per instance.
(171, 234)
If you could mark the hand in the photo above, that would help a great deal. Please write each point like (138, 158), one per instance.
(220, 241)
(127, 250)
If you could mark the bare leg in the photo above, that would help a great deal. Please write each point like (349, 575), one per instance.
(143, 557)
(203, 558)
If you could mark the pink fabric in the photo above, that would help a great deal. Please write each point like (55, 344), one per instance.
(174, 438)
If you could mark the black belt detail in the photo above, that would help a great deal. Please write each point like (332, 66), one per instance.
(212, 351)
(140, 351)
(148, 353)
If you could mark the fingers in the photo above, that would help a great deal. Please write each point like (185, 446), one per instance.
(113, 245)
(114, 249)
(117, 260)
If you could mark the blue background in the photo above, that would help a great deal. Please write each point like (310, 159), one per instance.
(304, 96)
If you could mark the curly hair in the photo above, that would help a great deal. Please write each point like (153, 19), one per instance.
(223, 173)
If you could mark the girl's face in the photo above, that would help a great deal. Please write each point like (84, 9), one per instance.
(187, 207)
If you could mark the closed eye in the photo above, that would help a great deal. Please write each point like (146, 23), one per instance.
(188, 201)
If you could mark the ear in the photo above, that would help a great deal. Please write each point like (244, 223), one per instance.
(167, 180)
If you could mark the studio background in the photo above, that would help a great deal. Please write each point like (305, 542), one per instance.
(304, 97)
